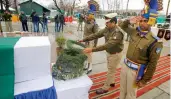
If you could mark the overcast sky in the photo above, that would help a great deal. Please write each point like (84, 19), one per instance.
(133, 4)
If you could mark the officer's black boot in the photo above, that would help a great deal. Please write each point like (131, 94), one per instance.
(89, 70)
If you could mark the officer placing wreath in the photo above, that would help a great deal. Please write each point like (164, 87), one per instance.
(113, 46)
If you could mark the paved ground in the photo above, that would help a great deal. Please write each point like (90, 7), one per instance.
(99, 58)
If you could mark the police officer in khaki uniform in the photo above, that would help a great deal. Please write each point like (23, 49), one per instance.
(141, 59)
(113, 46)
(90, 28)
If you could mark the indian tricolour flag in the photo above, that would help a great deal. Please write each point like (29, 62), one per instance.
(22, 59)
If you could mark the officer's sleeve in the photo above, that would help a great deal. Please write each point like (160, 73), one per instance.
(95, 36)
(128, 29)
(95, 28)
(154, 57)
(114, 40)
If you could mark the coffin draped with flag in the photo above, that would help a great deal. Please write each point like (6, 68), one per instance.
(25, 68)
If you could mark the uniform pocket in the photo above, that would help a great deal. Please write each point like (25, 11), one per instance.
(142, 51)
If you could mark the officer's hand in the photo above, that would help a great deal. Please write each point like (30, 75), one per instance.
(80, 41)
(87, 50)
(127, 21)
(140, 84)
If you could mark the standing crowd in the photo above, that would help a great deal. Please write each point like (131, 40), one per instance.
(36, 20)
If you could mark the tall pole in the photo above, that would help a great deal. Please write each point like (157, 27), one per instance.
(167, 7)
(127, 8)
(103, 4)
(108, 4)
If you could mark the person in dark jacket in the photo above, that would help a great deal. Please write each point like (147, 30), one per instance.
(1, 31)
(35, 20)
(23, 19)
(45, 23)
(62, 22)
(57, 20)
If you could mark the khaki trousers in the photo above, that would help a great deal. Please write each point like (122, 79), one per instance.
(113, 61)
(0, 27)
(80, 24)
(127, 83)
(89, 44)
(8, 25)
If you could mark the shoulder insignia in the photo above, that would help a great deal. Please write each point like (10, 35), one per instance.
(158, 50)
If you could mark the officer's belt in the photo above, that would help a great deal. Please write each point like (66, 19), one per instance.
(115, 53)
(131, 64)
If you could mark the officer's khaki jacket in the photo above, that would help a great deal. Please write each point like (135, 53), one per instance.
(137, 50)
(90, 28)
(113, 39)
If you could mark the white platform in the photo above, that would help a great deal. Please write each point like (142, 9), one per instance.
(33, 85)
(32, 56)
(74, 89)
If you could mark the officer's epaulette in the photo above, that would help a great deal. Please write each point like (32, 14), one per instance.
(157, 38)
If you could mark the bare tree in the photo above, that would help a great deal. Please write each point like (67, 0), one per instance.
(65, 5)
(57, 6)
(167, 7)
(127, 7)
(2, 10)
(7, 4)
(118, 5)
(108, 4)
(16, 5)
(73, 6)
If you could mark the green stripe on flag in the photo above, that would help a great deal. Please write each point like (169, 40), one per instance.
(7, 76)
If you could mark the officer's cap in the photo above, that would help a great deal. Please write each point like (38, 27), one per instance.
(111, 17)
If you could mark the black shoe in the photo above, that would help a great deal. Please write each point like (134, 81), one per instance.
(89, 71)
(101, 91)
(112, 85)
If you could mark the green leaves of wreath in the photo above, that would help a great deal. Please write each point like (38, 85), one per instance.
(70, 63)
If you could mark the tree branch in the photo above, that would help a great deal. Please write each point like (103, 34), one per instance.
(57, 6)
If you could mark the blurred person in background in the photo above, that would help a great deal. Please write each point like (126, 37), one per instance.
(8, 22)
(23, 19)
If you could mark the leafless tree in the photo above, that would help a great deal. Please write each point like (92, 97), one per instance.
(56, 4)
(7, 4)
(167, 7)
(108, 4)
(118, 5)
(65, 5)
(2, 10)
(16, 5)
(73, 6)
(127, 7)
